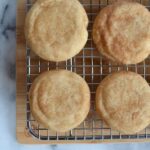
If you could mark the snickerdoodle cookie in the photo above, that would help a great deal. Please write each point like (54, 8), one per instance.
(56, 30)
(60, 100)
(121, 32)
(123, 101)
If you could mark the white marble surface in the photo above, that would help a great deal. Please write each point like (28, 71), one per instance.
(7, 92)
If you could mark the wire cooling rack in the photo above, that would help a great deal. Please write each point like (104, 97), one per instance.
(93, 68)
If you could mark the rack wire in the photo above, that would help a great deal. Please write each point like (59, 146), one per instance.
(93, 68)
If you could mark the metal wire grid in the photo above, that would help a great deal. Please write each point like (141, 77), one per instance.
(93, 68)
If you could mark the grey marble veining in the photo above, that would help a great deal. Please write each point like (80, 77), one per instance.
(7, 92)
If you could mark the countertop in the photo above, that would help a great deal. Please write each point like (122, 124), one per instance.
(8, 92)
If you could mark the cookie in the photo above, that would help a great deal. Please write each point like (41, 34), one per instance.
(59, 100)
(56, 30)
(123, 101)
(121, 32)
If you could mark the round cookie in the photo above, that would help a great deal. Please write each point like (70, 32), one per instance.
(60, 100)
(123, 101)
(121, 32)
(56, 30)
